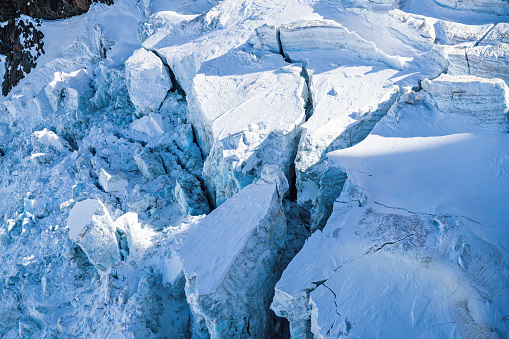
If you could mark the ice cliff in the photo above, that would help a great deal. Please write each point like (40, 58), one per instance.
(232, 261)
(254, 169)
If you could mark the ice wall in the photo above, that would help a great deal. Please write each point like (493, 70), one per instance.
(147, 79)
(256, 126)
(486, 99)
(231, 261)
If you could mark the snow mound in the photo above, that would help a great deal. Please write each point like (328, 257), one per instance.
(147, 79)
(229, 284)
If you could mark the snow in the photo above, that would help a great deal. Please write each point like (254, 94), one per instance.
(231, 257)
(191, 147)
(147, 80)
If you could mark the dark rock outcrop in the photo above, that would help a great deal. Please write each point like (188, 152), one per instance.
(20, 40)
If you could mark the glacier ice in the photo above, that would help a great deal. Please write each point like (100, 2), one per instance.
(487, 99)
(147, 79)
(258, 126)
(229, 284)
(402, 227)
(91, 227)
(379, 127)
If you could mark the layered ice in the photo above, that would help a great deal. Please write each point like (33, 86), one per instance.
(255, 127)
(500, 7)
(147, 79)
(307, 34)
(231, 260)
(487, 99)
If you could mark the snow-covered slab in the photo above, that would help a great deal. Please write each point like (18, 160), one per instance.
(345, 92)
(230, 259)
(91, 227)
(321, 34)
(424, 209)
(487, 99)
(246, 107)
(147, 79)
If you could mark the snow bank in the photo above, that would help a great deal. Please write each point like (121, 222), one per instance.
(91, 227)
(230, 260)
(245, 108)
(147, 79)
(487, 99)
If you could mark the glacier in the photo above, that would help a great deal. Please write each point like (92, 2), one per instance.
(254, 169)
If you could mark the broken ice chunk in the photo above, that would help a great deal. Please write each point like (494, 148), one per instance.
(47, 139)
(231, 260)
(91, 227)
(148, 81)
(487, 99)
(111, 181)
(152, 125)
(149, 164)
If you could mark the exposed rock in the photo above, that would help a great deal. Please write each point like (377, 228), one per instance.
(20, 39)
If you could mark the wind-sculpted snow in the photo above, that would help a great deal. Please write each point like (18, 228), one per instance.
(231, 261)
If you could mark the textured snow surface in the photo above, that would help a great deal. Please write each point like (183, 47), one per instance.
(259, 169)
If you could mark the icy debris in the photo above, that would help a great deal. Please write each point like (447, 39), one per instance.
(257, 126)
(48, 140)
(149, 164)
(111, 181)
(321, 34)
(91, 227)
(500, 7)
(230, 284)
(152, 125)
(147, 79)
(70, 91)
(487, 99)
